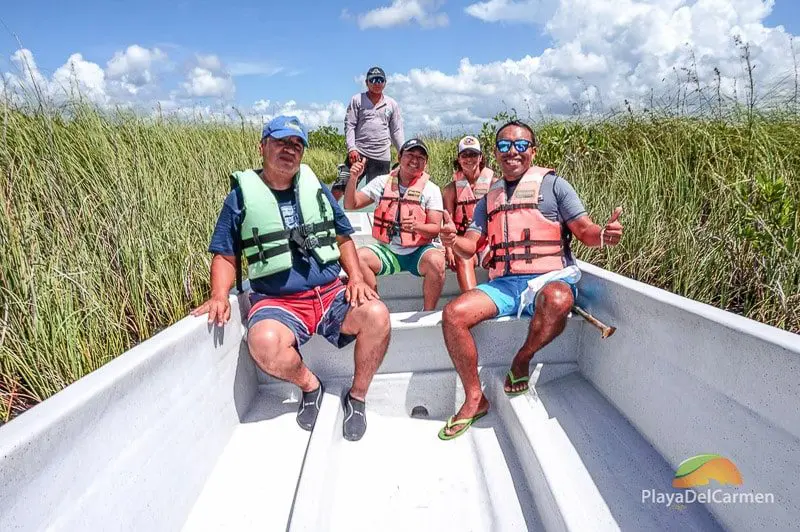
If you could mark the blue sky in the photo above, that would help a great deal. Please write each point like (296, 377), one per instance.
(319, 49)
(545, 55)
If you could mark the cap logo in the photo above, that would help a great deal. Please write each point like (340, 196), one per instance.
(292, 124)
(469, 141)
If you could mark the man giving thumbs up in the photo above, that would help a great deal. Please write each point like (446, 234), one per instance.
(528, 218)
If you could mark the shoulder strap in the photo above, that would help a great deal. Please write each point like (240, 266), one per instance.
(237, 242)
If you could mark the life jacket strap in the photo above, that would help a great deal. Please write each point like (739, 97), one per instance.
(265, 238)
(509, 257)
(264, 255)
(512, 207)
(518, 243)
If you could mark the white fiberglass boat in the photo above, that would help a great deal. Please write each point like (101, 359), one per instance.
(183, 432)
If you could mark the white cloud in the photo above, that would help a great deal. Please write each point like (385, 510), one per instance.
(28, 79)
(202, 83)
(423, 12)
(136, 65)
(527, 11)
(78, 76)
(313, 115)
(208, 79)
(603, 52)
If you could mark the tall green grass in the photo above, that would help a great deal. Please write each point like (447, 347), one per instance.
(106, 220)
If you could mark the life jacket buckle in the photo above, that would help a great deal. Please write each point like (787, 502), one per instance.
(311, 242)
(297, 236)
(259, 245)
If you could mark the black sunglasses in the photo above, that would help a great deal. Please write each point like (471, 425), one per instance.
(521, 145)
(377, 80)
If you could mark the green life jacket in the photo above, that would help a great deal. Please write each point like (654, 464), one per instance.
(264, 239)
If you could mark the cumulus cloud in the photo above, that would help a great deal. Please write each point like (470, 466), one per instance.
(603, 53)
(208, 79)
(76, 77)
(135, 66)
(313, 115)
(423, 12)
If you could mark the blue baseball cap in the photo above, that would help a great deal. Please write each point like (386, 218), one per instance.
(285, 126)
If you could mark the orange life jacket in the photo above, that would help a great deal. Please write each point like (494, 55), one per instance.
(521, 240)
(467, 197)
(386, 224)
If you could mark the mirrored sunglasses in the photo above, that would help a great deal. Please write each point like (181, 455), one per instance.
(521, 145)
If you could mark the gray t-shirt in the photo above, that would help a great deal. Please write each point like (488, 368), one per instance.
(558, 202)
(372, 129)
(431, 200)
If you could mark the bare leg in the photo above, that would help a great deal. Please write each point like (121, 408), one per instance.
(465, 273)
(458, 317)
(553, 303)
(271, 345)
(370, 266)
(370, 325)
(431, 267)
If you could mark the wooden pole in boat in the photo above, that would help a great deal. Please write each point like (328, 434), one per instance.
(605, 330)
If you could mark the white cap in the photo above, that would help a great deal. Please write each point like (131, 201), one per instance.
(469, 143)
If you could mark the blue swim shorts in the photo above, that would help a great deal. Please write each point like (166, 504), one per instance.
(505, 292)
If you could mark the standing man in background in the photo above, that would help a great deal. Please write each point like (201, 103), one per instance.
(371, 125)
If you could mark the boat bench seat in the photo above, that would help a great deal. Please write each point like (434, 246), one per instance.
(497, 340)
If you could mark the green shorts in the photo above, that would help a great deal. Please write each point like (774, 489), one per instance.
(392, 263)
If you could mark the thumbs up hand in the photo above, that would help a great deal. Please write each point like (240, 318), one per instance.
(408, 223)
(356, 169)
(611, 234)
(447, 234)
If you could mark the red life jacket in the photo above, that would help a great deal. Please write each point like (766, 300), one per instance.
(467, 197)
(386, 225)
(521, 239)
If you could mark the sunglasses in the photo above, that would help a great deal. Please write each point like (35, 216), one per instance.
(377, 80)
(521, 145)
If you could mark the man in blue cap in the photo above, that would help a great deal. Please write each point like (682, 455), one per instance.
(371, 125)
(296, 240)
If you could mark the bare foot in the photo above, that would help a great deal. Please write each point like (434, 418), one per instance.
(468, 410)
(519, 370)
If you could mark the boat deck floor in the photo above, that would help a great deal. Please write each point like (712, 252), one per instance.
(561, 454)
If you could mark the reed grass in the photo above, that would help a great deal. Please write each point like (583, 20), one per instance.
(107, 217)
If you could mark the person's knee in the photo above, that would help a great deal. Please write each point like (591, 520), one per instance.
(363, 254)
(269, 347)
(455, 313)
(432, 263)
(368, 259)
(556, 298)
(375, 315)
